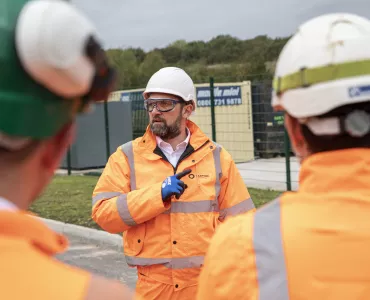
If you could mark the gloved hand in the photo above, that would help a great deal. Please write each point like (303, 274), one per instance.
(172, 185)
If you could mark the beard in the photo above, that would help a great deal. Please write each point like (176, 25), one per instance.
(165, 131)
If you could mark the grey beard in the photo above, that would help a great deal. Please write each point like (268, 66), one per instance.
(166, 132)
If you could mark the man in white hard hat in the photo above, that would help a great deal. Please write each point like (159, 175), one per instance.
(313, 243)
(168, 191)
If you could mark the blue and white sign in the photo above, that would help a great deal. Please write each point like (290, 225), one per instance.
(125, 97)
(224, 96)
(136, 99)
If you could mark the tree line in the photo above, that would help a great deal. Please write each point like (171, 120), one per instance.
(226, 58)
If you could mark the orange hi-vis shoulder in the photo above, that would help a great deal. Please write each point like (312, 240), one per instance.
(27, 269)
(167, 242)
(309, 244)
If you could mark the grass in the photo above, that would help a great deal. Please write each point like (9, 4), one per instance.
(261, 197)
(68, 199)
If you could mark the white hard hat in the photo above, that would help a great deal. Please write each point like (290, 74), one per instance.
(51, 38)
(171, 80)
(325, 65)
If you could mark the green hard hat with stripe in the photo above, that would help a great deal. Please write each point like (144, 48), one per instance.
(52, 67)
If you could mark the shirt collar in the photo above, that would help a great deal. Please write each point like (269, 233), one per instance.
(161, 142)
(7, 205)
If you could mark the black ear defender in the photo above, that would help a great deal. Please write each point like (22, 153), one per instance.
(105, 77)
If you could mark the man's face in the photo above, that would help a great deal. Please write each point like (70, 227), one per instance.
(166, 125)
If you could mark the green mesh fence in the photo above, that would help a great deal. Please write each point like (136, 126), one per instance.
(268, 126)
(139, 114)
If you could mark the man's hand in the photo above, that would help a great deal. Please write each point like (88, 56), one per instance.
(174, 186)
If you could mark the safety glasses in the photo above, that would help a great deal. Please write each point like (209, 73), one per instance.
(162, 105)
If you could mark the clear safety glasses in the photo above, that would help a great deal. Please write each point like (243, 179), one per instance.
(162, 105)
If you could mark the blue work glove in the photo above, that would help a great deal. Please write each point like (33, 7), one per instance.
(172, 185)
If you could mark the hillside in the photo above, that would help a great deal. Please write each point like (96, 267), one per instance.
(226, 58)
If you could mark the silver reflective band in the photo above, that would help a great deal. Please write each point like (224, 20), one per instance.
(217, 160)
(193, 207)
(239, 208)
(127, 149)
(142, 261)
(171, 263)
(185, 262)
(269, 252)
(104, 195)
(122, 208)
(209, 206)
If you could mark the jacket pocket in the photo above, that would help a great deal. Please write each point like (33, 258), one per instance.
(134, 240)
(204, 179)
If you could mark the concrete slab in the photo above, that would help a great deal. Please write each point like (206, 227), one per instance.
(96, 251)
(114, 241)
(99, 259)
(269, 173)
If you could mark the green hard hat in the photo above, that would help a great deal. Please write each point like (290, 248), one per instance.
(28, 106)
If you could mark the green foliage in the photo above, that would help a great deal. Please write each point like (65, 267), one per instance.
(127, 64)
(152, 63)
(224, 57)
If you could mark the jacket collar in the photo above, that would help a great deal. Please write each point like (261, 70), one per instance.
(147, 143)
(25, 226)
(342, 170)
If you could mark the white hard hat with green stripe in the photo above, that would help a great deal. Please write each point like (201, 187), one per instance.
(325, 65)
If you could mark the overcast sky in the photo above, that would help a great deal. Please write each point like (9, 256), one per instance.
(157, 23)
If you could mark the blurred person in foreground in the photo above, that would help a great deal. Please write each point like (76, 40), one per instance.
(52, 69)
(312, 243)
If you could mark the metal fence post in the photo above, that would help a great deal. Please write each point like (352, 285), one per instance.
(287, 160)
(107, 140)
(212, 98)
(69, 164)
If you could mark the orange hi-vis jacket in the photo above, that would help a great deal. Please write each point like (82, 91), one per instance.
(167, 242)
(310, 244)
(27, 268)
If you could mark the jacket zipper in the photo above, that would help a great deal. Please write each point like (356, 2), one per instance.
(159, 152)
(182, 158)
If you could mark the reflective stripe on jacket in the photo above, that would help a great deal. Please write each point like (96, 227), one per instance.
(168, 241)
(310, 244)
